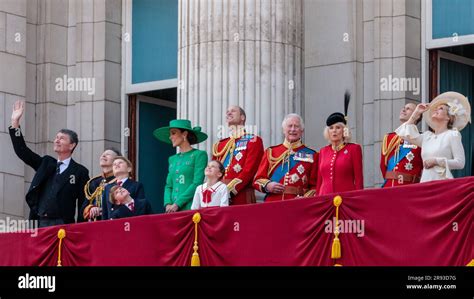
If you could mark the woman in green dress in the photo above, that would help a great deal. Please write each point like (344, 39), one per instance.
(186, 169)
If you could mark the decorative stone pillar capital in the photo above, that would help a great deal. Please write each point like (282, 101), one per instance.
(246, 53)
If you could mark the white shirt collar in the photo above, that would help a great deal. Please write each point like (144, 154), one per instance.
(64, 165)
(214, 187)
(66, 162)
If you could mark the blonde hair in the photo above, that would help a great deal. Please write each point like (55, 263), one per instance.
(346, 135)
(127, 161)
(112, 194)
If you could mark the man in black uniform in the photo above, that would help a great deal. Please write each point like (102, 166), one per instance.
(95, 188)
(57, 189)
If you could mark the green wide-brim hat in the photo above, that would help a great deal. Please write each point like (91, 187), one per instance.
(163, 133)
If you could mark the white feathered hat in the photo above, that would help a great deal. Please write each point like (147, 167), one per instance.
(459, 107)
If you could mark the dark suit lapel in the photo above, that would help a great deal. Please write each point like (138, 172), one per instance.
(106, 204)
(43, 174)
(141, 207)
(125, 211)
(128, 183)
(68, 176)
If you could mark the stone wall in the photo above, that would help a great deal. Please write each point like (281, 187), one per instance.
(353, 45)
(42, 41)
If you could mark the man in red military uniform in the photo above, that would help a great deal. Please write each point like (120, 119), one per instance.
(400, 161)
(240, 154)
(290, 169)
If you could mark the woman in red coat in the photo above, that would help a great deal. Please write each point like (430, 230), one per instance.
(340, 162)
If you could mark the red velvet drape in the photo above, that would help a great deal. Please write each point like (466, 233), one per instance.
(417, 225)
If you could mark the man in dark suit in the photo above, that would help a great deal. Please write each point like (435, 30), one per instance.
(57, 189)
(125, 206)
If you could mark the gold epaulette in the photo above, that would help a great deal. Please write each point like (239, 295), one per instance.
(90, 196)
(228, 148)
(98, 191)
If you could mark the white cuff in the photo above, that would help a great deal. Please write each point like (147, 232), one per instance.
(408, 131)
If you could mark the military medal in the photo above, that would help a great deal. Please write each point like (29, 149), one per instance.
(407, 144)
(238, 156)
(241, 145)
(410, 156)
(300, 169)
(294, 178)
(237, 168)
(304, 157)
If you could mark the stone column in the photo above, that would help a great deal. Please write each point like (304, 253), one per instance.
(393, 29)
(353, 45)
(96, 54)
(42, 41)
(242, 52)
(79, 41)
(13, 65)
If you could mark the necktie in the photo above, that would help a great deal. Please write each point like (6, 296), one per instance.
(119, 183)
(206, 195)
(131, 206)
(58, 170)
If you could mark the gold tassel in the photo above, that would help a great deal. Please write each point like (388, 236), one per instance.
(336, 243)
(61, 236)
(471, 263)
(195, 261)
(336, 248)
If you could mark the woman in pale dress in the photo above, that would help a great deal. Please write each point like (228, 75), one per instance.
(442, 149)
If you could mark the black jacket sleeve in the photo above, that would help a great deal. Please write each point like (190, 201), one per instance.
(22, 151)
(140, 191)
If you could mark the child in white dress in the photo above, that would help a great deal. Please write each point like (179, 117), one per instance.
(213, 193)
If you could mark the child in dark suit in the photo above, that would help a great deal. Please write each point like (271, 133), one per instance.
(125, 206)
(121, 167)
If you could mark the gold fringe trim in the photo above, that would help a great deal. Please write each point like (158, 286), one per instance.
(97, 194)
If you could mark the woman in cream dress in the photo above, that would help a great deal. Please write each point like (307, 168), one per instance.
(441, 150)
